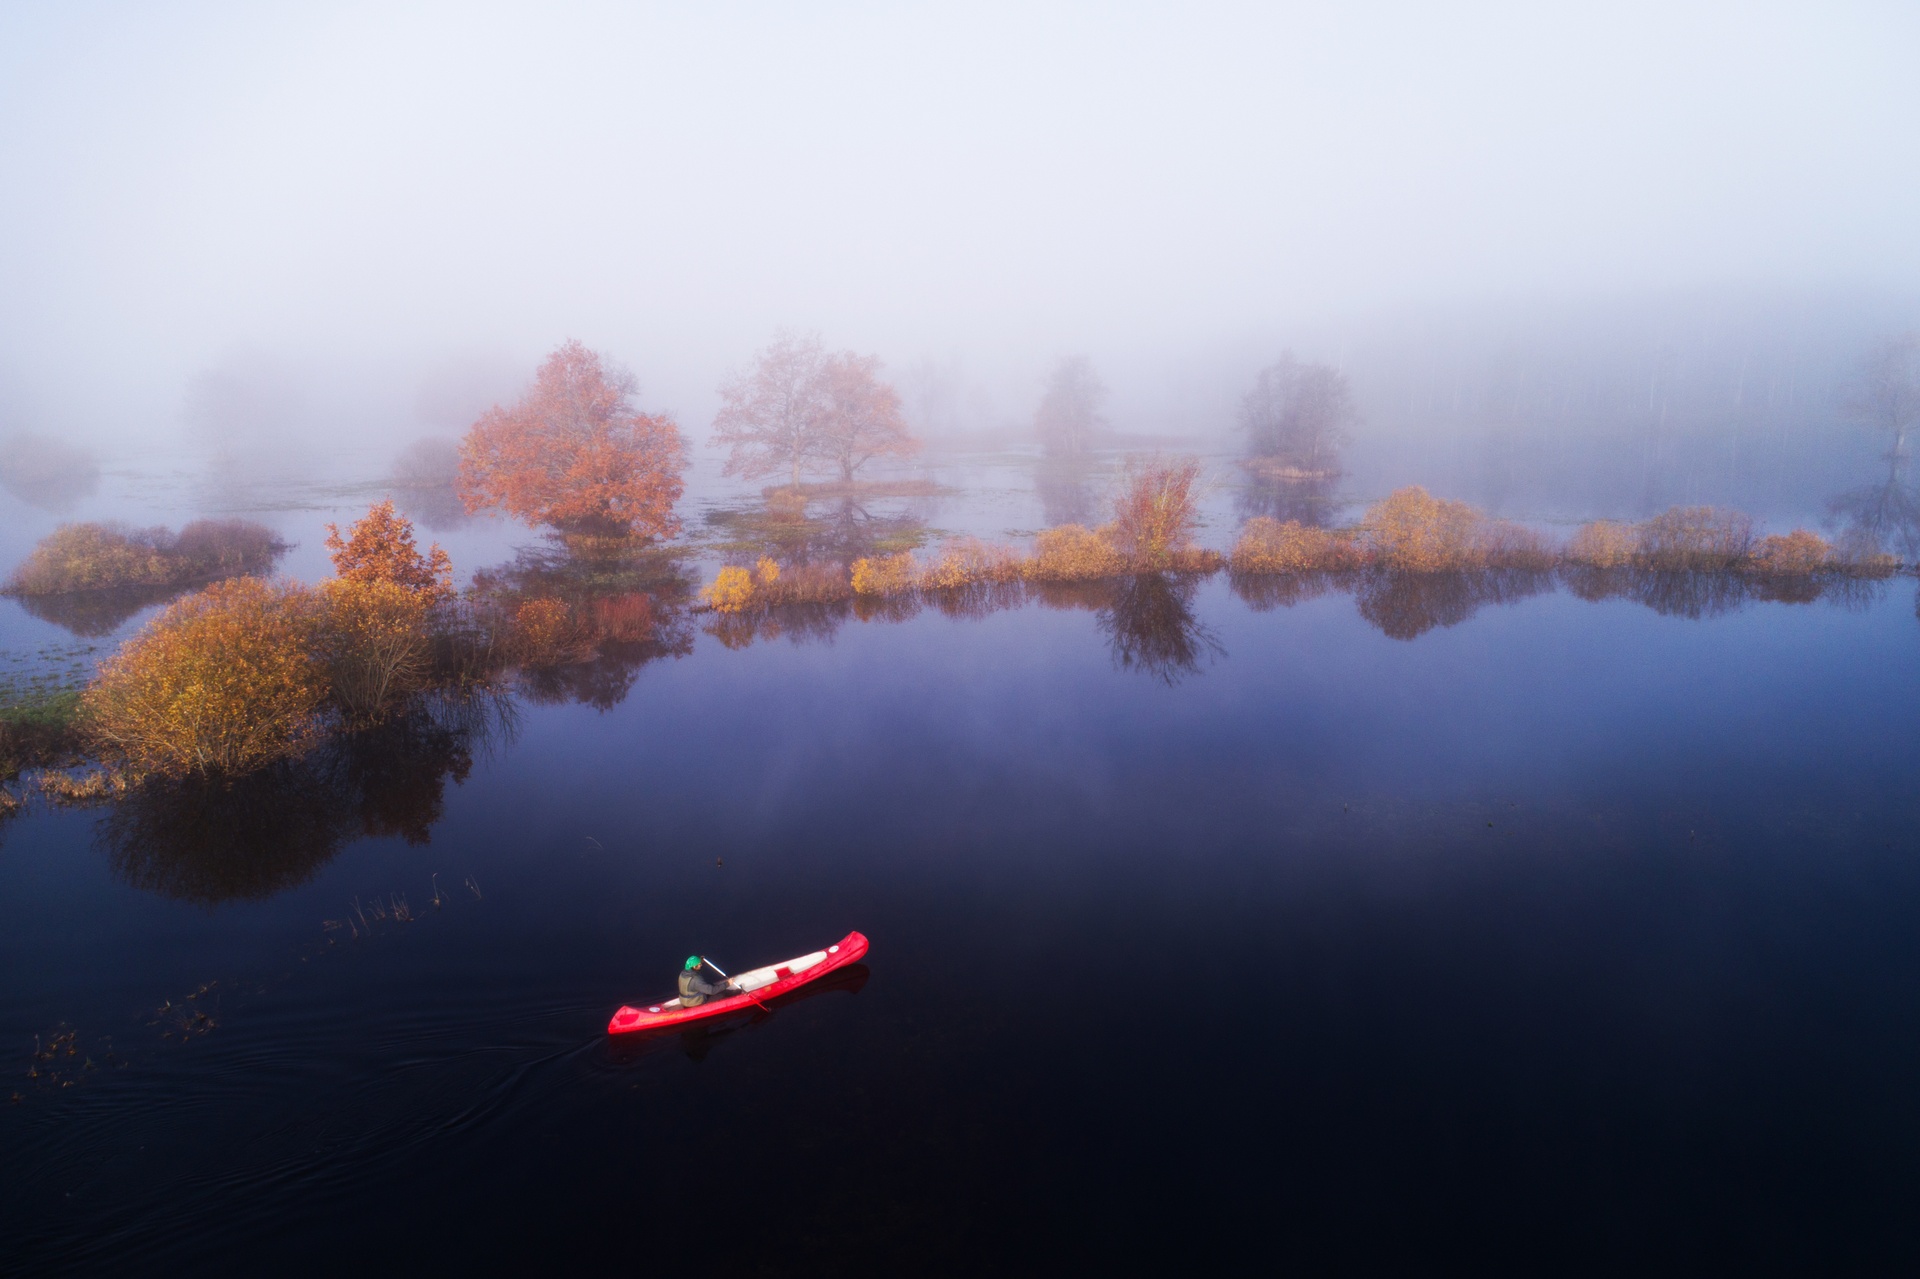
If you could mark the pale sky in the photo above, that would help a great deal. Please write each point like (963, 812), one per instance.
(389, 184)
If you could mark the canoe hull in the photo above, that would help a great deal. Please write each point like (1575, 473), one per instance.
(764, 984)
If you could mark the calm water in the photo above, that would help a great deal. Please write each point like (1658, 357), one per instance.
(1448, 922)
(1569, 934)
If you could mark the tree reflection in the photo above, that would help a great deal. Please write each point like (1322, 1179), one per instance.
(1308, 501)
(1406, 606)
(91, 614)
(1698, 595)
(1147, 618)
(211, 841)
(1064, 485)
(794, 529)
(626, 600)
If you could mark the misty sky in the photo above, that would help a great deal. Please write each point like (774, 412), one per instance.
(386, 185)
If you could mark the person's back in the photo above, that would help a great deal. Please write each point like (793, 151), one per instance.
(694, 990)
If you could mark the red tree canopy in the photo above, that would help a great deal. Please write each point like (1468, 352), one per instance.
(574, 453)
(380, 547)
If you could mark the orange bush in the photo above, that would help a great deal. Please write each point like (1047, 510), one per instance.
(766, 571)
(88, 557)
(379, 547)
(966, 561)
(1695, 538)
(1603, 544)
(815, 583)
(573, 453)
(1414, 531)
(1155, 514)
(374, 639)
(543, 632)
(731, 591)
(224, 681)
(1269, 546)
(884, 574)
(1505, 544)
(1794, 554)
(1074, 553)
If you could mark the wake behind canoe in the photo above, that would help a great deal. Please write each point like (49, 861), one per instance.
(757, 987)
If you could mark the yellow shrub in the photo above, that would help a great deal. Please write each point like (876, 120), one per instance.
(884, 575)
(1412, 530)
(374, 640)
(968, 560)
(1269, 546)
(1797, 553)
(1074, 553)
(225, 681)
(1603, 544)
(731, 591)
(766, 571)
(543, 631)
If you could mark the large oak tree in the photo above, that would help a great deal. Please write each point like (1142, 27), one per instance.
(859, 415)
(575, 454)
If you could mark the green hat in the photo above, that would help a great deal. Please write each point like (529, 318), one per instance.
(693, 962)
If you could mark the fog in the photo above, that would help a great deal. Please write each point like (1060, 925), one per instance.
(226, 223)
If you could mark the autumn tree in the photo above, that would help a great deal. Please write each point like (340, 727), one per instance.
(573, 453)
(1069, 411)
(1298, 415)
(769, 416)
(379, 547)
(858, 415)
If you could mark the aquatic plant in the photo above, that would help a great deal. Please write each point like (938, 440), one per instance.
(225, 681)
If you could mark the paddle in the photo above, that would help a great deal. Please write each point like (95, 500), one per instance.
(723, 972)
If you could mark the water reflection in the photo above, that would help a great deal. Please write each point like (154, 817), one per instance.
(1700, 595)
(209, 841)
(91, 614)
(798, 529)
(1308, 501)
(1147, 618)
(627, 606)
(1064, 484)
(1405, 606)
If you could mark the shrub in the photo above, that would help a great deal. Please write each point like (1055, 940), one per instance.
(1269, 546)
(805, 584)
(1155, 515)
(543, 632)
(1413, 531)
(1505, 544)
(90, 557)
(766, 571)
(731, 591)
(884, 574)
(1795, 554)
(968, 561)
(1074, 553)
(380, 548)
(375, 642)
(1695, 538)
(225, 681)
(1603, 544)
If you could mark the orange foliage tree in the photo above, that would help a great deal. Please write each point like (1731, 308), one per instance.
(380, 548)
(573, 453)
(224, 681)
(768, 417)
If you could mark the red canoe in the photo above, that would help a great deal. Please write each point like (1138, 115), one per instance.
(760, 986)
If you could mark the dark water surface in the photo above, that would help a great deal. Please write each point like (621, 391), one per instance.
(1572, 935)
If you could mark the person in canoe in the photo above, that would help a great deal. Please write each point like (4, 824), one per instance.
(696, 990)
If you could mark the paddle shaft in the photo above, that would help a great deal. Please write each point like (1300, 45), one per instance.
(723, 972)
